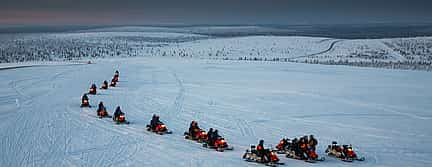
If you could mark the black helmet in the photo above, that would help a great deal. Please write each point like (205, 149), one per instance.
(261, 142)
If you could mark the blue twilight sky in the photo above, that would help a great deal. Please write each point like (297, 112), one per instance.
(284, 12)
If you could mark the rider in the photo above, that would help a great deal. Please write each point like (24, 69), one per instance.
(312, 142)
(210, 135)
(113, 82)
(155, 122)
(261, 152)
(282, 144)
(193, 129)
(84, 98)
(93, 86)
(101, 107)
(302, 147)
(105, 84)
(117, 112)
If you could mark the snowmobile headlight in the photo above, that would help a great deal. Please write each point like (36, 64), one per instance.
(163, 126)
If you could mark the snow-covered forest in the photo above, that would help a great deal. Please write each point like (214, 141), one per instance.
(394, 53)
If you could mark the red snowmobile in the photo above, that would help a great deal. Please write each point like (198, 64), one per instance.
(200, 136)
(92, 91)
(344, 152)
(269, 158)
(103, 113)
(220, 144)
(104, 85)
(306, 154)
(85, 103)
(121, 119)
(159, 129)
(113, 83)
(283, 145)
(115, 78)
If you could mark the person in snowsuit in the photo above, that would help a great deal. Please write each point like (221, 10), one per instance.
(113, 82)
(210, 137)
(283, 144)
(302, 147)
(117, 113)
(101, 107)
(261, 152)
(294, 145)
(116, 76)
(105, 85)
(116, 73)
(312, 142)
(215, 135)
(152, 122)
(193, 129)
(84, 100)
(155, 122)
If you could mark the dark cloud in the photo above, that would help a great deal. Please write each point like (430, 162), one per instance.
(214, 12)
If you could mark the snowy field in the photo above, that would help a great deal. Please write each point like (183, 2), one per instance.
(385, 114)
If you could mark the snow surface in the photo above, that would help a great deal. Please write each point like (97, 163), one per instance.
(385, 114)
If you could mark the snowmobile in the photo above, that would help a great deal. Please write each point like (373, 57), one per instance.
(269, 159)
(309, 155)
(92, 91)
(159, 129)
(104, 85)
(200, 136)
(344, 152)
(85, 103)
(113, 83)
(121, 119)
(115, 78)
(282, 146)
(116, 75)
(103, 113)
(219, 144)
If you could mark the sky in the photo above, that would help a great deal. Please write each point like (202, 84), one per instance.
(216, 12)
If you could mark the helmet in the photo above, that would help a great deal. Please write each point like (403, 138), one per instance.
(261, 142)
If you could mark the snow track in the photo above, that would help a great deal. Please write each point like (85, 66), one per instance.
(383, 113)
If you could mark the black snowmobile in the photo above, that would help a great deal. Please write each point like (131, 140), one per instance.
(269, 158)
(104, 85)
(120, 119)
(345, 152)
(220, 144)
(160, 128)
(102, 113)
(85, 101)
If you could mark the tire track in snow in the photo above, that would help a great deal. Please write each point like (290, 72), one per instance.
(178, 103)
(245, 129)
(332, 44)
